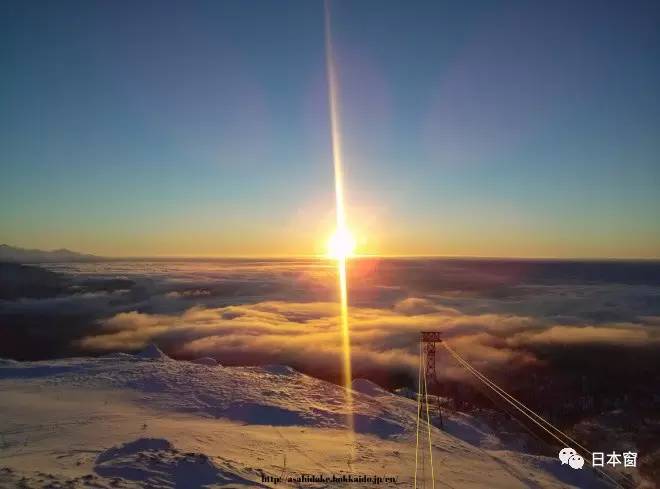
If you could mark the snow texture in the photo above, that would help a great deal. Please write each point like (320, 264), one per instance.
(147, 421)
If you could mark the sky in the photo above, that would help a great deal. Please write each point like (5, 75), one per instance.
(520, 129)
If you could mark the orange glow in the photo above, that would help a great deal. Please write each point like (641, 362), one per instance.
(342, 244)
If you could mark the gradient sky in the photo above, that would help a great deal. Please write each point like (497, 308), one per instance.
(201, 128)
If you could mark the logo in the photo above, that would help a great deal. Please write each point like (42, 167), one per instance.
(570, 457)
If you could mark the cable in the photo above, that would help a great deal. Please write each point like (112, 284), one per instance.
(521, 407)
(419, 408)
(504, 407)
(428, 425)
(423, 405)
(507, 397)
(516, 401)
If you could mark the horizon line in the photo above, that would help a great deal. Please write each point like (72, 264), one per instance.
(362, 256)
(90, 256)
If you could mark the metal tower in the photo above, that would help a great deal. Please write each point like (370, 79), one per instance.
(429, 340)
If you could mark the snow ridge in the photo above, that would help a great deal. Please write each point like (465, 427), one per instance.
(149, 421)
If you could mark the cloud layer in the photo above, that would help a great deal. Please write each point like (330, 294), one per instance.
(307, 335)
(502, 316)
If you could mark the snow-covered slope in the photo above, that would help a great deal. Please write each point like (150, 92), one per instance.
(148, 421)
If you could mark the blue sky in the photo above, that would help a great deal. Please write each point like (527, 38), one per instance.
(470, 128)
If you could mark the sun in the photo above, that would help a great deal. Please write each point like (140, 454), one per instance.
(341, 245)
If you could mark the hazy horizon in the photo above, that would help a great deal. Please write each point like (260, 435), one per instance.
(323, 256)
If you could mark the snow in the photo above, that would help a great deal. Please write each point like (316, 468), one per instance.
(152, 352)
(280, 369)
(369, 388)
(157, 463)
(120, 421)
(208, 361)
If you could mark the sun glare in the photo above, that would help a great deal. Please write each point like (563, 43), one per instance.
(341, 245)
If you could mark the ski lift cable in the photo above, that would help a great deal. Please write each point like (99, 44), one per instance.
(428, 424)
(509, 399)
(521, 407)
(419, 408)
(504, 406)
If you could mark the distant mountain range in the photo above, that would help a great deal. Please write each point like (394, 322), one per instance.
(22, 255)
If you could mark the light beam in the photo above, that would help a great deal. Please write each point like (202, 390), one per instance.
(342, 233)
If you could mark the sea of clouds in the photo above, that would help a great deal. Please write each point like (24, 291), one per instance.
(501, 315)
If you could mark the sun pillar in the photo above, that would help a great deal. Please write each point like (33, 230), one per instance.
(342, 235)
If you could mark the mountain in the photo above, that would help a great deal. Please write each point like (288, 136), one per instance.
(138, 421)
(22, 255)
(24, 281)
(152, 352)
